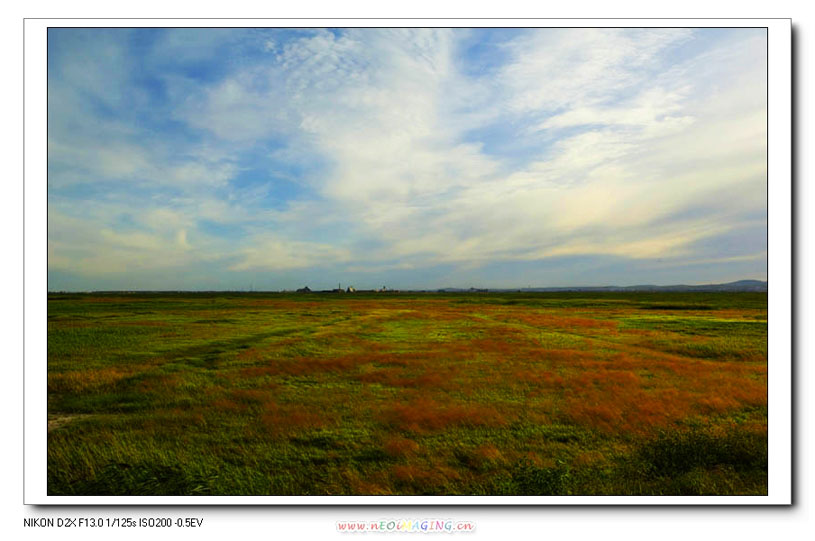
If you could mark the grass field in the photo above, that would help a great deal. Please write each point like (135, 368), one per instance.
(379, 394)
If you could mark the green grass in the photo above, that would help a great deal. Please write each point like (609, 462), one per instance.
(501, 394)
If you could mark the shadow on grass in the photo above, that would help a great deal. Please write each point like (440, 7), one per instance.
(141, 479)
(691, 462)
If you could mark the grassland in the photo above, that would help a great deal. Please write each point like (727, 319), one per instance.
(366, 394)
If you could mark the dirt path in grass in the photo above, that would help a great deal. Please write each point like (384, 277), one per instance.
(57, 420)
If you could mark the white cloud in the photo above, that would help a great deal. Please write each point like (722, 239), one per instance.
(615, 140)
(77, 245)
(282, 254)
(554, 69)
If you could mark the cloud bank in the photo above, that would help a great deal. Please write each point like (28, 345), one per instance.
(271, 158)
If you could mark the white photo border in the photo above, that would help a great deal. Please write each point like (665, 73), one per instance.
(779, 275)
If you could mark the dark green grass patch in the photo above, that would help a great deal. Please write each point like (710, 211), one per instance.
(700, 326)
(140, 479)
(680, 452)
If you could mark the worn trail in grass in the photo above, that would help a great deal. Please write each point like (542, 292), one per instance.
(477, 394)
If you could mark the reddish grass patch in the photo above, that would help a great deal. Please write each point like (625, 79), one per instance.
(397, 446)
(716, 404)
(251, 354)
(614, 400)
(613, 381)
(670, 389)
(228, 405)
(543, 378)
(504, 349)
(426, 414)
(483, 457)
(724, 390)
(488, 452)
(290, 418)
(589, 458)
(442, 312)
(86, 381)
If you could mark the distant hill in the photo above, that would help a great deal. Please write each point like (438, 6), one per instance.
(740, 285)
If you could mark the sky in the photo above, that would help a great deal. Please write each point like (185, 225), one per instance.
(272, 159)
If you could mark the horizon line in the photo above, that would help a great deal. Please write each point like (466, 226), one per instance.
(445, 289)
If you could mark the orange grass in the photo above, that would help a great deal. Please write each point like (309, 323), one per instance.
(427, 415)
(398, 446)
(288, 419)
(77, 381)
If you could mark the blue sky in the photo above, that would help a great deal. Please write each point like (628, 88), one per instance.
(411, 158)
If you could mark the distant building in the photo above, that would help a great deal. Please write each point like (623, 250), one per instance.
(351, 289)
(304, 290)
